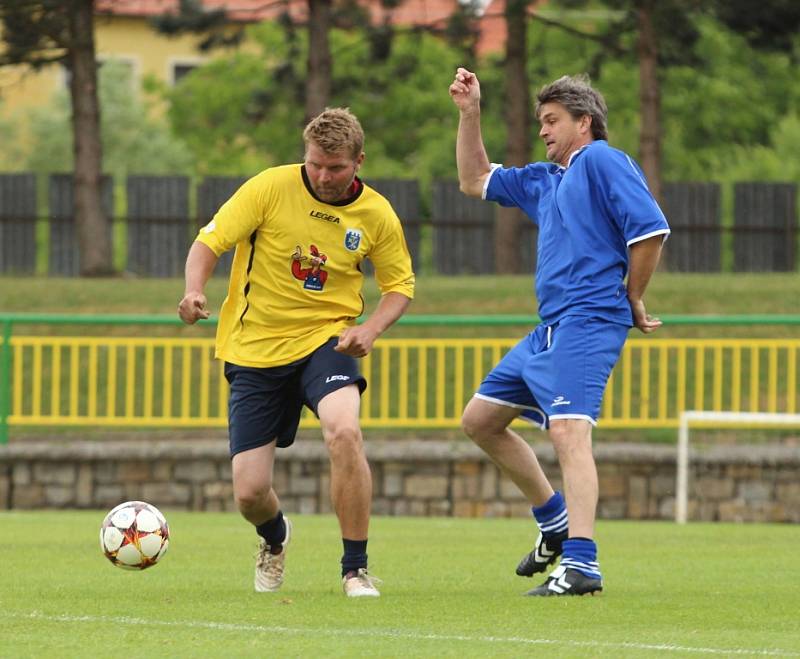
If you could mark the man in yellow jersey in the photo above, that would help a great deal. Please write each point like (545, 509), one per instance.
(287, 329)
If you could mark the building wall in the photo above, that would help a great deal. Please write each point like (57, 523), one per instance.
(422, 477)
(116, 37)
(152, 53)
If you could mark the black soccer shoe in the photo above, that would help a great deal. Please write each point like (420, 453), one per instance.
(545, 552)
(567, 581)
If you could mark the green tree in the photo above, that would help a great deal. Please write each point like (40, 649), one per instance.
(404, 106)
(9, 154)
(43, 32)
(771, 26)
(775, 161)
(715, 114)
(242, 113)
(652, 34)
(132, 142)
(518, 119)
(218, 30)
(663, 36)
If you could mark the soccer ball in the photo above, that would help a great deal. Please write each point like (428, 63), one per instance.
(134, 535)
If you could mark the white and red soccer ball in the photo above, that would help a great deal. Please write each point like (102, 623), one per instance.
(134, 535)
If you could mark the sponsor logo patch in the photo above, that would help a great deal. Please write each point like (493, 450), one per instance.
(324, 216)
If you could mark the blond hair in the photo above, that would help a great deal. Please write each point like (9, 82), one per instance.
(336, 130)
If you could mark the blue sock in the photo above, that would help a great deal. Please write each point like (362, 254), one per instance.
(355, 555)
(273, 531)
(581, 554)
(552, 516)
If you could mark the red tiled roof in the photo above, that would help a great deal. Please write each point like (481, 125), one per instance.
(238, 10)
(433, 13)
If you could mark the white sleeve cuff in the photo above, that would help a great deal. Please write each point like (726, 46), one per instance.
(638, 239)
(494, 166)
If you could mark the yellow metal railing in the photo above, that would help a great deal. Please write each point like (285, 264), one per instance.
(413, 382)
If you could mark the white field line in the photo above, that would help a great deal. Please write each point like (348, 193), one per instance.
(393, 634)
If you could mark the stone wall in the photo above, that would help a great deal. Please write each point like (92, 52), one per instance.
(411, 477)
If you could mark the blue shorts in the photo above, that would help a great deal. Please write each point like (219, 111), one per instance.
(265, 403)
(558, 371)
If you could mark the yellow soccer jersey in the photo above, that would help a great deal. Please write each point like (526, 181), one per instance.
(295, 279)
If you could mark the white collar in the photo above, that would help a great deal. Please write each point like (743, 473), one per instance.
(572, 155)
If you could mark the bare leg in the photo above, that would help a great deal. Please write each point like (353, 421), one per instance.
(486, 424)
(351, 480)
(252, 484)
(572, 439)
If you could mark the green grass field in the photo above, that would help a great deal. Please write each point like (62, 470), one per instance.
(449, 590)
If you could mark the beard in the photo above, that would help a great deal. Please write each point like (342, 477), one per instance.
(332, 192)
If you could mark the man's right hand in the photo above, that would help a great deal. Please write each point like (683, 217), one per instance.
(465, 90)
(193, 308)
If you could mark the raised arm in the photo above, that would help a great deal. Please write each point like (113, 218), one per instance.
(473, 163)
(199, 265)
(643, 260)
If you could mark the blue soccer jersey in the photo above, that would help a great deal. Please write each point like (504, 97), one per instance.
(588, 215)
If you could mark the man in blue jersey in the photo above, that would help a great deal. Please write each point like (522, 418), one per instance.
(598, 223)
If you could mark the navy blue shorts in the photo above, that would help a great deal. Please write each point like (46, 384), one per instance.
(557, 372)
(265, 403)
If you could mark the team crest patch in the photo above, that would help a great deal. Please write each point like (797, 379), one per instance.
(352, 239)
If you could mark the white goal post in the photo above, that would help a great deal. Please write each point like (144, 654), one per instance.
(739, 419)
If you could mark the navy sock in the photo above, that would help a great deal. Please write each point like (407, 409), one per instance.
(355, 555)
(274, 532)
(552, 516)
(581, 554)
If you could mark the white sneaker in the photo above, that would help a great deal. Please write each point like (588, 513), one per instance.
(360, 584)
(269, 567)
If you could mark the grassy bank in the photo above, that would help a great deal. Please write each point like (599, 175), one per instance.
(669, 294)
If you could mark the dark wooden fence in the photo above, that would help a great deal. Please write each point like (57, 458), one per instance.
(405, 199)
(694, 213)
(18, 223)
(63, 259)
(463, 230)
(212, 192)
(160, 225)
(764, 242)
(463, 233)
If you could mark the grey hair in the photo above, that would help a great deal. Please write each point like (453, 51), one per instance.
(578, 96)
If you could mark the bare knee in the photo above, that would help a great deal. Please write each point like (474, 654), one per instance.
(473, 426)
(571, 438)
(344, 442)
(480, 427)
(251, 495)
(484, 432)
(559, 433)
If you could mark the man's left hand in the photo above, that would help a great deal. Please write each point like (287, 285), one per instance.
(642, 320)
(356, 341)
